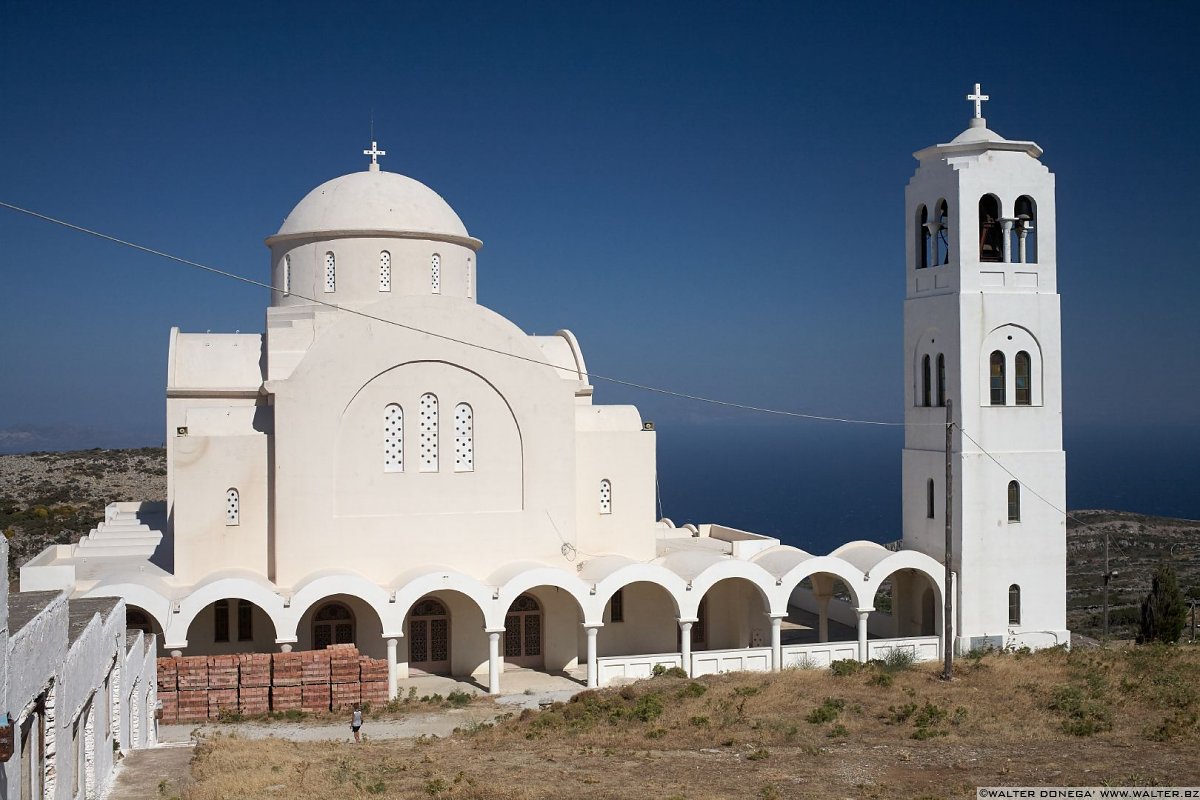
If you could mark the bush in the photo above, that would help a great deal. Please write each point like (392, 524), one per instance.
(827, 711)
(660, 671)
(648, 707)
(692, 689)
(459, 699)
(1163, 612)
(898, 660)
(845, 667)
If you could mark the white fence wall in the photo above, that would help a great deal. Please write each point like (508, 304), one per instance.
(748, 659)
(803, 656)
(923, 648)
(611, 668)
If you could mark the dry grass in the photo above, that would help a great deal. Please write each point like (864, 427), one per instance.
(1119, 718)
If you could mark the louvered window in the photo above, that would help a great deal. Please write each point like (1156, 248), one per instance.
(464, 438)
(429, 433)
(435, 273)
(330, 273)
(393, 438)
(385, 271)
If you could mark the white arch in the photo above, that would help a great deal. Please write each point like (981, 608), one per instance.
(636, 572)
(316, 588)
(154, 603)
(253, 588)
(415, 584)
(907, 559)
(732, 568)
(531, 578)
(849, 575)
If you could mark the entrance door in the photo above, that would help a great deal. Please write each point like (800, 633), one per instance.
(332, 624)
(523, 633)
(429, 637)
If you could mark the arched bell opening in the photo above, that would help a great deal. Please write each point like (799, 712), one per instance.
(991, 233)
(1024, 233)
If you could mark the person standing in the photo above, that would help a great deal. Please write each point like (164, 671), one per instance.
(356, 723)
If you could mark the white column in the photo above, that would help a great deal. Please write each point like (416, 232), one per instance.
(823, 617)
(495, 665)
(393, 669)
(1022, 232)
(776, 642)
(685, 644)
(593, 677)
(1006, 228)
(863, 613)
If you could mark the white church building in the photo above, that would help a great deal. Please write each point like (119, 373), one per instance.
(392, 463)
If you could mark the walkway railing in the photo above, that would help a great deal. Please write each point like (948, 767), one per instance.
(758, 659)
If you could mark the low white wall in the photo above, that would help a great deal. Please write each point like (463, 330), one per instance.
(922, 648)
(801, 656)
(749, 659)
(613, 668)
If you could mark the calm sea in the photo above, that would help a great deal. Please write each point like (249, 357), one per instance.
(816, 486)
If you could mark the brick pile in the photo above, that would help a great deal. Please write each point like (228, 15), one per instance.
(196, 688)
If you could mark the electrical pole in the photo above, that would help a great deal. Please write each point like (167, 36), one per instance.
(1107, 575)
(948, 609)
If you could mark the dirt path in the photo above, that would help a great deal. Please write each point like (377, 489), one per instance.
(153, 773)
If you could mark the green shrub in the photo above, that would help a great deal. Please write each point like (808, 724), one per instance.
(648, 707)
(1163, 611)
(661, 671)
(458, 699)
(827, 711)
(898, 660)
(845, 667)
(838, 731)
(692, 689)
(698, 722)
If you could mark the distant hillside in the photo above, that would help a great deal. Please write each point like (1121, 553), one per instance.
(48, 498)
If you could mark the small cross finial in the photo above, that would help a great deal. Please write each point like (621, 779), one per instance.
(978, 97)
(374, 153)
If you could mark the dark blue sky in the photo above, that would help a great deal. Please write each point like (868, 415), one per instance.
(709, 196)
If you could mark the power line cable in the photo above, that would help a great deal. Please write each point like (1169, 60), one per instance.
(609, 379)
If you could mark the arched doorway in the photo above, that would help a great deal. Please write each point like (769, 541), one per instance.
(332, 624)
(523, 633)
(429, 637)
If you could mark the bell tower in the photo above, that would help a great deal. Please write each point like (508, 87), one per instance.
(981, 327)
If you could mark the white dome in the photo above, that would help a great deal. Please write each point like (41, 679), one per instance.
(373, 201)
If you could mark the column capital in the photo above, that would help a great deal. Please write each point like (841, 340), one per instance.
(772, 616)
(687, 620)
(862, 612)
(494, 631)
(592, 626)
(394, 635)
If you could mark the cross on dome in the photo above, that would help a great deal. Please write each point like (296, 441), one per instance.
(978, 97)
(375, 152)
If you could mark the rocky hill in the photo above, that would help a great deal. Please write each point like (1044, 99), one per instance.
(48, 498)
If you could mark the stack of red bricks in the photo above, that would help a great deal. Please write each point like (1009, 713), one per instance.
(168, 689)
(345, 689)
(254, 683)
(196, 688)
(374, 676)
(314, 679)
(192, 697)
(285, 681)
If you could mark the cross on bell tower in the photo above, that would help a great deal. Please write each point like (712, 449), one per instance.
(374, 153)
(978, 97)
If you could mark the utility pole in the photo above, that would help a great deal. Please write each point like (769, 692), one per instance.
(1107, 574)
(948, 609)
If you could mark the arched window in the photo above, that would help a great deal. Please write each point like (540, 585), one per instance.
(429, 432)
(245, 621)
(941, 246)
(1024, 384)
(435, 273)
(929, 499)
(606, 496)
(385, 271)
(393, 438)
(1025, 230)
(991, 236)
(287, 274)
(1014, 605)
(332, 624)
(1014, 501)
(923, 238)
(996, 371)
(470, 279)
(925, 381)
(464, 438)
(941, 380)
(233, 510)
(221, 621)
(330, 273)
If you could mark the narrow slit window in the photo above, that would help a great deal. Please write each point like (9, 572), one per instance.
(245, 621)
(287, 275)
(1024, 384)
(1014, 605)
(393, 438)
(941, 380)
(435, 273)
(233, 507)
(429, 432)
(925, 381)
(330, 273)
(929, 499)
(221, 621)
(385, 271)
(616, 606)
(996, 371)
(606, 496)
(464, 438)
(1014, 501)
